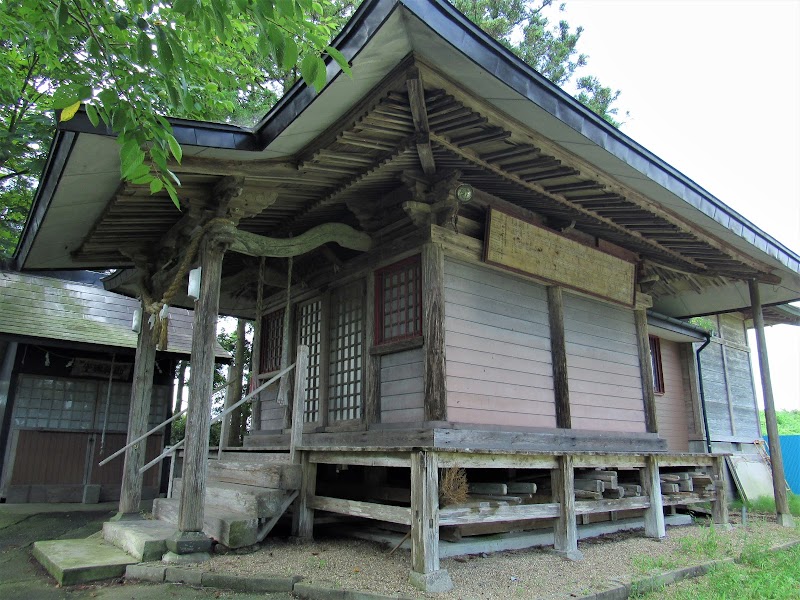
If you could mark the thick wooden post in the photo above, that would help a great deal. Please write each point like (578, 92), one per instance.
(232, 424)
(425, 572)
(719, 506)
(646, 369)
(204, 335)
(433, 332)
(298, 403)
(565, 528)
(558, 351)
(308, 488)
(141, 392)
(372, 364)
(654, 525)
(775, 455)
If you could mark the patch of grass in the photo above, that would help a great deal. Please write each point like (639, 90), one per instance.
(766, 505)
(708, 545)
(759, 574)
(655, 564)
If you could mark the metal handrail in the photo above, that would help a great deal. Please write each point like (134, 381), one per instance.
(154, 429)
(220, 416)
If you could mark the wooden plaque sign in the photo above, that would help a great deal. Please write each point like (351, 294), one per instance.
(529, 249)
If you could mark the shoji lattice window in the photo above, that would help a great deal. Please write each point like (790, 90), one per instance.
(55, 403)
(398, 298)
(346, 351)
(271, 342)
(309, 333)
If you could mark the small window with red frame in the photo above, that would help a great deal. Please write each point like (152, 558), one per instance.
(658, 370)
(271, 342)
(398, 301)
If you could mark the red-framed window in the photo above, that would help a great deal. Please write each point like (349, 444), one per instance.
(398, 301)
(271, 342)
(658, 370)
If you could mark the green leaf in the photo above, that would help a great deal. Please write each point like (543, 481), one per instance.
(183, 6)
(91, 112)
(131, 157)
(313, 71)
(285, 7)
(172, 195)
(140, 172)
(69, 111)
(121, 21)
(164, 51)
(67, 95)
(62, 13)
(175, 147)
(340, 59)
(144, 48)
(290, 53)
(156, 185)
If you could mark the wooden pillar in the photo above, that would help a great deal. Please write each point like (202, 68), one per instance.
(204, 335)
(233, 422)
(719, 506)
(646, 368)
(558, 350)
(141, 392)
(654, 526)
(425, 572)
(565, 528)
(433, 332)
(308, 488)
(775, 455)
(298, 403)
(372, 363)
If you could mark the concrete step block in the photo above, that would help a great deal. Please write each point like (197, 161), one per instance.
(246, 499)
(232, 529)
(145, 540)
(79, 561)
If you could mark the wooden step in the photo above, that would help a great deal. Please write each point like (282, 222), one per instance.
(234, 530)
(266, 474)
(255, 502)
(267, 441)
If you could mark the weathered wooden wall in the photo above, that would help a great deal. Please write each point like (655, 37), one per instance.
(402, 391)
(497, 348)
(603, 365)
(271, 412)
(673, 421)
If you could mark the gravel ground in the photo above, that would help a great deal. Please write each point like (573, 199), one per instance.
(534, 573)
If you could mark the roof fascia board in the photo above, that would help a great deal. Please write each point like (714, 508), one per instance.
(664, 322)
(60, 150)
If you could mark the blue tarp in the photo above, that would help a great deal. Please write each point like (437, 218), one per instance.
(790, 450)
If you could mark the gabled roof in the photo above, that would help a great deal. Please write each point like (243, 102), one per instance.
(44, 309)
(667, 216)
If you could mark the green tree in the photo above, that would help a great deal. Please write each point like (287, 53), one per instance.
(551, 49)
(788, 422)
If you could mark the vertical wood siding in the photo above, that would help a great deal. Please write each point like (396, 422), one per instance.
(673, 422)
(402, 387)
(716, 396)
(271, 411)
(605, 387)
(497, 346)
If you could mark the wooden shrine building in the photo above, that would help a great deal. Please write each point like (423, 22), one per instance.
(484, 275)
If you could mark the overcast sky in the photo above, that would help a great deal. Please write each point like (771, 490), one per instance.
(713, 88)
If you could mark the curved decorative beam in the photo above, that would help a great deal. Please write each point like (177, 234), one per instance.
(258, 245)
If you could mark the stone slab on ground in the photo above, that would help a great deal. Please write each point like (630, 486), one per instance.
(80, 561)
(316, 592)
(145, 540)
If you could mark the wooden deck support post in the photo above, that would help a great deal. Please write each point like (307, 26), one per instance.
(654, 525)
(141, 393)
(645, 364)
(190, 537)
(433, 332)
(775, 456)
(425, 573)
(308, 488)
(558, 351)
(565, 529)
(298, 403)
(719, 506)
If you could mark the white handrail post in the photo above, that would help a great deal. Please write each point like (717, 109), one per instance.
(298, 405)
(172, 459)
